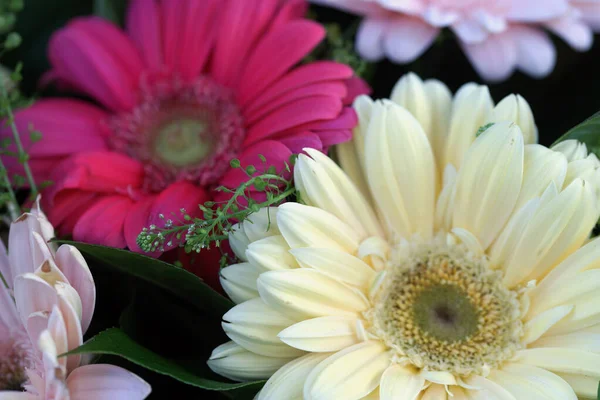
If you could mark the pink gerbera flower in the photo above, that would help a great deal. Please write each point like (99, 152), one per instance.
(187, 86)
(498, 36)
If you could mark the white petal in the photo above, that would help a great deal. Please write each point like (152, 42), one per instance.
(440, 103)
(254, 326)
(304, 226)
(409, 92)
(471, 109)
(324, 334)
(529, 382)
(401, 170)
(271, 254)
(489, 182)
(537, 326)
(238, 240)
(239, 281)
(261, 224)
(288, 381)
(234, 362)
(577, 340)
(561, 360)
(441, 377)
(306, 293)
(445, 204)
(400, 383)
(584, 386)
(514, 108)
(326, 186)
(572, 149)
(435, 392)
(349, 374)
(339, 265)
(488, 390)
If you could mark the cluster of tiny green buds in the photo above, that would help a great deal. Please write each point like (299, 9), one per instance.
(218, 218)
(8, 15)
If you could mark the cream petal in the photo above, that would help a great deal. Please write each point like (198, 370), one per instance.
(352, 154)
(339, 265)
(541, 167)
(234, 362)
(328, 187)
(271, 254)
(409, 92)
(584, 386)
(585, 314)
(254, 326)
(323, 334)
(399, 382)
(440, 102)
(238, 241)
(489, 182)
(401, 170)
(458, 393)
(239, 281)
(305, 226)
(487, 390)
(74, 267)
(538, 325)
(577, 340)
(441, 377)
(530, 382)
(514, 108)
(435, 392)
(306, 293)
(288, 381)
(261, 224)
(349, 374)
(572, 149)
(568, 361)
(374, 251)
(472, 108)
(557, 228)
(444, 208)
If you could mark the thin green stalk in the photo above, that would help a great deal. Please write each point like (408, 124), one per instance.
(13, 205)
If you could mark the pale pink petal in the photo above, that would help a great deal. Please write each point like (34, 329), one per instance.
(9, 317)
(495, 59)
(590, 13)
(369, 38)
(46, 228)
(407, 38)
(573, 31)
(106, 382)
(103, 223)
(361, 7)
(536, 10)
(72, 325)
(36, 324)
(23, 252)
(10, 395)
(536, 54)
(5, 269)
(73, 265)
(33, 294)
(470, 31)
(58, 331)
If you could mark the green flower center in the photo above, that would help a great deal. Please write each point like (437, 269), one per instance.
(184, 142)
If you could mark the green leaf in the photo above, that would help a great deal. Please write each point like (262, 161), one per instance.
(177, 281)
(587, 132)
(115, 342)
(112, 10)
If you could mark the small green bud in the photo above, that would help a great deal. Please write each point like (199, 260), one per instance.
(250, 170)
(12, 41)
(235, 163)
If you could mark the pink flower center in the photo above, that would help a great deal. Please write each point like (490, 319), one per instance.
(15, 358)
(181, 131)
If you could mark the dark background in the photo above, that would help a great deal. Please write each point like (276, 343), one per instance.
(559, 102)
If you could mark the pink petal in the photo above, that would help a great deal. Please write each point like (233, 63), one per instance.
(103, 222)
(67, 207)
(9, 318)
(106, 382)
(290, 10)
(106, 172)
(67, 126)
(355, 87)
(495, 59)
(308, 74)
(275, 153)
(240, 26)
(370, 37)
(136, 220)
(279, 50)
(143, 27)
(188, 34)
(333, 89)
(177, 196)
(333, 137)
(96, 57)
(33, 294)
(536, 10)
(73, 266)
(407, 38)
(573, 31)
(302, 140)
(300, 112)
(347, 119)
(536, 54)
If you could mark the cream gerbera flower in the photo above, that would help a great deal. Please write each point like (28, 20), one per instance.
(441, 261)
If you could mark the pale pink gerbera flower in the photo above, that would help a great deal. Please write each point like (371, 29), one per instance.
(47, 304)
(185, 88)
(498, 36)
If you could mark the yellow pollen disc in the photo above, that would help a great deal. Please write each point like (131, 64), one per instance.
(446, 310)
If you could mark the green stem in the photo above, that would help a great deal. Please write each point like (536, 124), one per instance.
(17, 138)
(13, 205)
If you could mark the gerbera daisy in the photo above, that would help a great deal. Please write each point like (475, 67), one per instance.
(187, 86)
(389, 283)
(498, 36)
